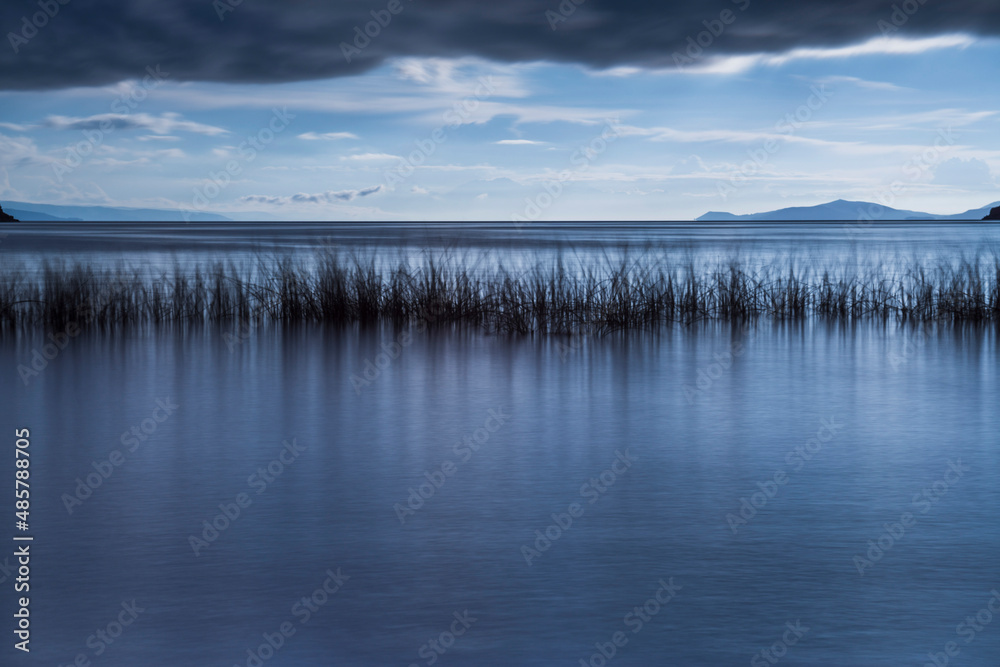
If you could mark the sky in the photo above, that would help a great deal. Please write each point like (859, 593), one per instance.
(525, 110)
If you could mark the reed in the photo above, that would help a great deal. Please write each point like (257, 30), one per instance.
(632, 292)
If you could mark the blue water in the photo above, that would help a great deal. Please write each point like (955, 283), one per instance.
(648, 443)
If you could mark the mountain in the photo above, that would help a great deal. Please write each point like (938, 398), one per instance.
(993, 214)
(6, 217)
(50, 212)
(34, 216)
(974, 214)
(844, 210)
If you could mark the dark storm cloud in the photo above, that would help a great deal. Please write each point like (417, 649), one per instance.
(92, 42)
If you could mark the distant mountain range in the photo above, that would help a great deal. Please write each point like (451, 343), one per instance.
(846, 210)
(835, 210)
(26, 212)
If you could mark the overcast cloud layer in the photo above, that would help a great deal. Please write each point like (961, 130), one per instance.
(96, 42)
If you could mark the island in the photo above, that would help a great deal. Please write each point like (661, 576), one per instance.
(994, 214)
(6, 218)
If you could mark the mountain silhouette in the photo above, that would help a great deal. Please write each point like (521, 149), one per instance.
(846, 210)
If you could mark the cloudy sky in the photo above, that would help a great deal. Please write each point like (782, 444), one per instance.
(519, 109)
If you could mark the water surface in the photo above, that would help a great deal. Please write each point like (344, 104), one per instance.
(863, 423)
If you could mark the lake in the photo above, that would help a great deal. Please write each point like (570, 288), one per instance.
(771, 492)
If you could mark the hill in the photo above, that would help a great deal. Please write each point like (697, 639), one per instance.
(56, 212)
(844, 210)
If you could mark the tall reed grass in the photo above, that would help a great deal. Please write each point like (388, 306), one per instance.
(631, 292)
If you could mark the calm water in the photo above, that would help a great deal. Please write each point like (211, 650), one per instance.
(163, 246)
(725, 489)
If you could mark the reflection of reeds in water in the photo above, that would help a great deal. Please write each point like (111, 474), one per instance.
(624, 294)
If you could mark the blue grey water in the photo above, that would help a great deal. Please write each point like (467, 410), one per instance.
(796, 494)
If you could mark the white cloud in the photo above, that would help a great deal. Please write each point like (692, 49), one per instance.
(5, 187)
(519, 142)
(163, 124)
(617, 72)
(133, 158)
(426, 70)
(966, 174)
(525, 113)
(327, 136)
(20, 152)
(68, 193)
(691, 165)
(862, 83)
(760, 138)
(873, 47)
(930, 119)
(461, 77)
(328, 197)
(371, 157)
(876, 46)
